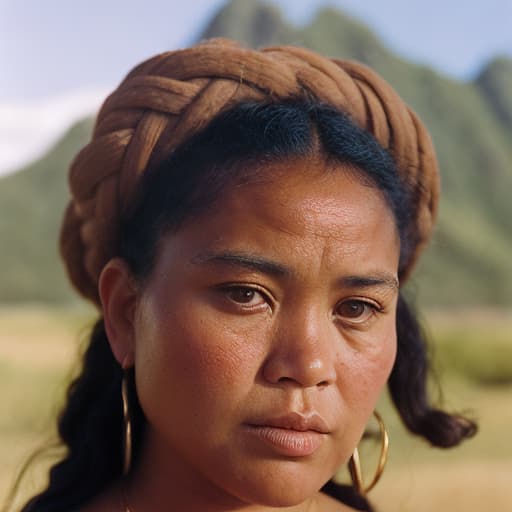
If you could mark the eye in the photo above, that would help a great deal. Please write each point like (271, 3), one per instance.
(356, 311)
(245, 295)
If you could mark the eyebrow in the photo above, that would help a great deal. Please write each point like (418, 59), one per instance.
(265, 266)
(244, 260)
(378, 280)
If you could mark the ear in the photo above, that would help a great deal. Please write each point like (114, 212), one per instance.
(118, 295)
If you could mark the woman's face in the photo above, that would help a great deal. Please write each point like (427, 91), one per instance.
(265, 334)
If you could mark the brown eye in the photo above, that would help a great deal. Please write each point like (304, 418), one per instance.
(355, 310)
(241, 295)
(245, 295)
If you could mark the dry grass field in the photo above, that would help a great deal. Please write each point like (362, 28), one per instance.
(38, 348)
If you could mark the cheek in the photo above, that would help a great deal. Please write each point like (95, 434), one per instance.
(367, 369)
(185, 351)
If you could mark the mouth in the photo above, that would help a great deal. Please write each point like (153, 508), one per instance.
(292, 435)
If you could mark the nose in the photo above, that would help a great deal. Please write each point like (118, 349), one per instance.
(303, 351)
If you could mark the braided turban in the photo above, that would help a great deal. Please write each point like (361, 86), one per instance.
(167, 98)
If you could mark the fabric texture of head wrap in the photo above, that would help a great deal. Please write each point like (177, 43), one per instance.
(171, 96)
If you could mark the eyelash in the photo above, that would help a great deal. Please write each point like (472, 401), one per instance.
(374, 310)
(231, 288)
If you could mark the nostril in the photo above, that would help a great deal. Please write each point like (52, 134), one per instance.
(284, 380)
(290, 380)
(306, 372)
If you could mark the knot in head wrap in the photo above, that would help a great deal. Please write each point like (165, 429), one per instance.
(169, 97)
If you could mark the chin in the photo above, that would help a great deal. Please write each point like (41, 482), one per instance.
(280, 498)
(280, 489)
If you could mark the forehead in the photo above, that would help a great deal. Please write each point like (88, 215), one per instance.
(310, 194)
(301, 211)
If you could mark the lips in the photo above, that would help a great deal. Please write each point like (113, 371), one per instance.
(293, 435)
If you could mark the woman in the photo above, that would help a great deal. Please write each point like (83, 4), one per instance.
(244, 221)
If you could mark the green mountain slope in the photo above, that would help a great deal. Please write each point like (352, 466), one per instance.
(471, 124)
(495, 82)
(32, 202)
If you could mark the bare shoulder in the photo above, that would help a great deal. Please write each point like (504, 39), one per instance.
(328, 504)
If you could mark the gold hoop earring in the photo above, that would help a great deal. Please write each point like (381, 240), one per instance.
(354, 464)
(127, 425)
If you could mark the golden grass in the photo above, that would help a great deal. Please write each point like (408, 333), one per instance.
(39, 345)
(456, 487)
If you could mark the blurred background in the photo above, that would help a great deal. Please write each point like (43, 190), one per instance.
(451, 61)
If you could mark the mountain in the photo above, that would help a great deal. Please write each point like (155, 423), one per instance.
(32, 202)
(495, 83)
(470, 122)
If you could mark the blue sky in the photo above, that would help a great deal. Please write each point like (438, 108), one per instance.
(58, 57)
(51, 46)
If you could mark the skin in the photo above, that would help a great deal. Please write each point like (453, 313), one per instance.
(281, 299)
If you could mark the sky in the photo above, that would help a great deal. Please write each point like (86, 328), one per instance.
(59, 58)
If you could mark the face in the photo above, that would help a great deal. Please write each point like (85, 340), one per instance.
(265, 334)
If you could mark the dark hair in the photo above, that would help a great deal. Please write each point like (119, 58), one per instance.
(189, 181)
(234, 148)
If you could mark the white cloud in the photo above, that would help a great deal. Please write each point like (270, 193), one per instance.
(28, 129)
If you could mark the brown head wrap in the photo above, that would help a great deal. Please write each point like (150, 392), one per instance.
(173, 95)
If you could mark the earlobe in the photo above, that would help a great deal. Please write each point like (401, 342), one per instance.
(118, 295)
